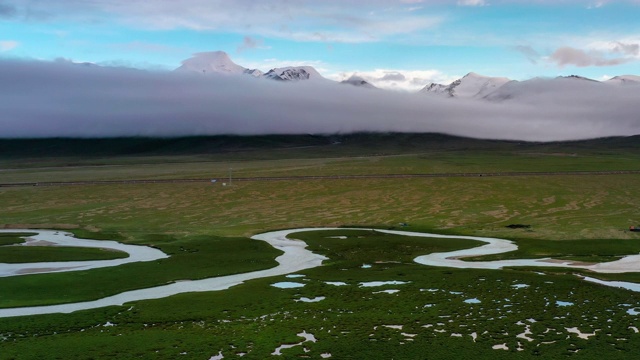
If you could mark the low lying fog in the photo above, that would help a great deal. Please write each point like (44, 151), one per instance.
(51, 99)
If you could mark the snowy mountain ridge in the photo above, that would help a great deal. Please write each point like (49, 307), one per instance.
(219, 63)
(470, 86)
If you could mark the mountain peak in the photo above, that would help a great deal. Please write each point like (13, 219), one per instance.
(576, 77)
(217, 62)
(293, 73)
(472, 85)
(624, 80)
(356, 80)
(473, 75)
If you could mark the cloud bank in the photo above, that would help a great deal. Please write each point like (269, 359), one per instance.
(41, 99)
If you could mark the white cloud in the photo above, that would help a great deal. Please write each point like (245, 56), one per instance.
(628, 46)
(596, 5)
(328, 20)
(63, 99)
(8, 45)
(471, 3)
(398, 79)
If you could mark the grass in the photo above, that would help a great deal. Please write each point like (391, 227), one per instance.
(205, 228)
(13, 238)
(255, 318)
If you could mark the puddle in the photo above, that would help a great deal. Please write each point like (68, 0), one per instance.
(217, 357)
(308, 300)
(382, 283)
(304, 334)
(287, 285)
(472, 301)
(393, 291)
(564, 303)
(335, 283)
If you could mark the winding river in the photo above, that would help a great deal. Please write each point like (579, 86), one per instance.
(295, 258)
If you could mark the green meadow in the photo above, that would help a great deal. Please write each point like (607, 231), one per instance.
(428, 313)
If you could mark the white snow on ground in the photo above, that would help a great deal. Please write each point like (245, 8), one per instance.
(335, 283)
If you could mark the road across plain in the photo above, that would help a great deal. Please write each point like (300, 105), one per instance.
(324, 177)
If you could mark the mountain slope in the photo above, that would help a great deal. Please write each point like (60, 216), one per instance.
(359, 82)
(294, 73)
(624, 80)
(213, 62)
(471, 85)
(539, 88)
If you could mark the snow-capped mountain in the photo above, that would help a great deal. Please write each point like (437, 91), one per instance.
(356, 80)
(253, 72)
(537, 88)
(219, 62)
(624, 80)
(213, 62)
(471, 85)
(293, 73)
(435, 89)
(576, 77)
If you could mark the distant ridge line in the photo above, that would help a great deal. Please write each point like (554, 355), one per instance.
(325, 177)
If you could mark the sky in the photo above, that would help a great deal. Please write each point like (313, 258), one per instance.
(396, 44)
(131, 47)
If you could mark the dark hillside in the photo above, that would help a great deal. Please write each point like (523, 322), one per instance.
(292, 146)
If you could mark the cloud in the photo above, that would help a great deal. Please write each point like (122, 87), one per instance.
(471, 3)
(398, 79)
(249, 43)
(596, 5)
(330, 20)
(393, 76)
(627, 49)
(570, 56)
(62, 99)
(7, 11)
(530, 53)
(8, 45)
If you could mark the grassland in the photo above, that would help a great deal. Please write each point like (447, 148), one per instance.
(12, 238)
(205, 226)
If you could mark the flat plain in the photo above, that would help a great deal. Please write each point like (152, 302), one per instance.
(572, 200)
